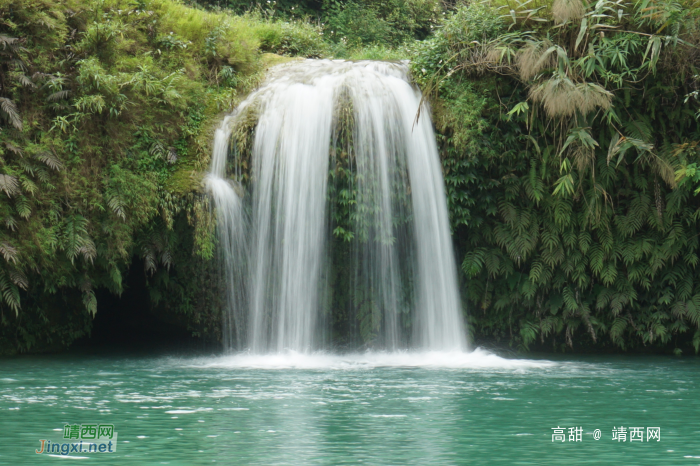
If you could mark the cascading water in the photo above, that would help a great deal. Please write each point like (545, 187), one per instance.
(347, 214)
(231, 234)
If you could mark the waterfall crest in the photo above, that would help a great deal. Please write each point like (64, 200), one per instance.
(345, 220)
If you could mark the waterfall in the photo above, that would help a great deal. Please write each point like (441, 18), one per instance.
(347, 215)
(232, 242)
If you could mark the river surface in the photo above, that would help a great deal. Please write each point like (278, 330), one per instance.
(373, 408)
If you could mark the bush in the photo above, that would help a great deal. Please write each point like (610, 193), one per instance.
(292, 38)
(356, 25)
(468, 26)
(219, 38)
(363, 22)
(472, 22)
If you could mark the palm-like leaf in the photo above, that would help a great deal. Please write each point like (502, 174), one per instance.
(12, 148)
(25, 81)
(50, 159)
(9, 184)
(9, 253)
(59, 95)
(9, 110)
(9, 292)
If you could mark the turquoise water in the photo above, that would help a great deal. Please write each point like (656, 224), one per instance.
(436, 409)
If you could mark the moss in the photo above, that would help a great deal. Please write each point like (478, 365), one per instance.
(184, 180)
(268, 60)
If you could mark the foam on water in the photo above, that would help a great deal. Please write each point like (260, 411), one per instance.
(477, 359)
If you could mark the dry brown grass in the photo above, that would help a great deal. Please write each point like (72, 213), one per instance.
(532, 59)
(562, 97)
(567, 10)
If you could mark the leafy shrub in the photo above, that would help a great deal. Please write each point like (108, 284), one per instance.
(467, 27)
(362, 22)
(280, 9)
(378, 52)
(356, 24)
(292, 38)
(559, 143)
(471, 22)
(218, 38)
(171, 41)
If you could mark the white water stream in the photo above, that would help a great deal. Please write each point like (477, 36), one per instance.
(403, 280)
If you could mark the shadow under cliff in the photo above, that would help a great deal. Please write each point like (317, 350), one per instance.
(131, 323)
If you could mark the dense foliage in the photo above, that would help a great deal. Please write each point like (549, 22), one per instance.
(107, 109)
(349, 25)
(565, 130)
(568, 131)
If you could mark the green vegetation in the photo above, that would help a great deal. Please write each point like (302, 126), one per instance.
(107, 113)
(568, 131)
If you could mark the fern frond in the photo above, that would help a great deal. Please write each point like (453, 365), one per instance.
(90, 302)
(8, 42)
(25, 81)
(18, 278)
(172, 155)
(12, 148)
(59, 95)
(75, 239)
(9, 293)
(29, 186)
(9, 184)
(50, 159)
(9, 109)
(9, 253)
(22, 207)
(117, 205)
